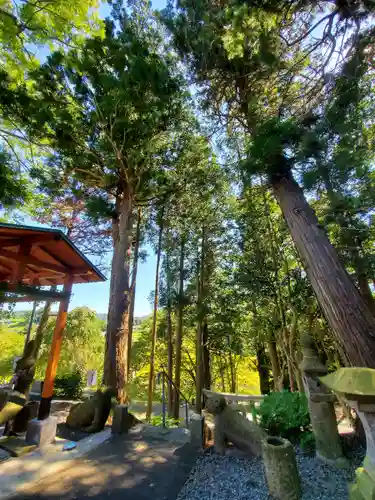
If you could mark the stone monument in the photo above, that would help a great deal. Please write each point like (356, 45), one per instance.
(357, 387)
(91, 415)
(321, 406)
(11, 403)
(231, 426)
(281, 470)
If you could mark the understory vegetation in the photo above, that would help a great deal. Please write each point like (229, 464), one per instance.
(231, 142)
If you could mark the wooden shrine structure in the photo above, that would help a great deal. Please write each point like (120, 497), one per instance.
(32, 259)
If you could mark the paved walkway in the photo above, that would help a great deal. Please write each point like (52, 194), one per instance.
(133, 467)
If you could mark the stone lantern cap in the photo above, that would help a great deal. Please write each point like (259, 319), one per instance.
(355, 384)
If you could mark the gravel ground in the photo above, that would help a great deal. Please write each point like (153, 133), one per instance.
(236, 477)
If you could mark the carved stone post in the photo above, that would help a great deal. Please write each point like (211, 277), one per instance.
(357, 387)
(321, 408)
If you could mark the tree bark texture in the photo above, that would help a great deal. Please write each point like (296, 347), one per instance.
(151, 374)
(42, 326)
(347, 313)
(263, 370)
(133, 285)
(232, 372)
(180, 317)
(365, 290)
(116, 357)
(169, 337)
(199, 333)
(275, 363)
(206, 358)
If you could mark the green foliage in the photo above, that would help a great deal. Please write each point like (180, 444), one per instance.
(83, 344)
(307, 441)
(285, 414)
(11, 345)
(13, 185)
(157, 421)
(70, 385)
(26, 25)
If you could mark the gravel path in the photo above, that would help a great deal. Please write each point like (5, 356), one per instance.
(240, 478)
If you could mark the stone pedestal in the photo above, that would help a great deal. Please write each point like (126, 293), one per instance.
(28, 412)
(280, 466)
(197, 430)
(321, 407)
(41, 432)
(122, 420)
(357, 387)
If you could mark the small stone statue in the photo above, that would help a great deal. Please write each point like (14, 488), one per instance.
(91, 415)
(25, 369)
(11, 403)
(231, 426)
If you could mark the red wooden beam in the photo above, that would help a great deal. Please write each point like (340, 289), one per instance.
(53, 360)
(34, 261)
(32, 240)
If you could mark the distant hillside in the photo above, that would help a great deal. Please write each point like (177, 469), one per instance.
(137, 320)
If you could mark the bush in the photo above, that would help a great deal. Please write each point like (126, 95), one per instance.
(307, 442)
(69, 386)
(285, 414)
(157, 421)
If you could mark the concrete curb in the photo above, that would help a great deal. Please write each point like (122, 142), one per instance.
(19, 473)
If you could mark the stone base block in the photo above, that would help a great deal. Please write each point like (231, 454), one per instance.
(122, 420)
(28, 412)
(16, 447)
(41, 432)
(197, 430)
(4, 455)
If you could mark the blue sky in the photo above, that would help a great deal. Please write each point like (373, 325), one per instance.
(96, 295)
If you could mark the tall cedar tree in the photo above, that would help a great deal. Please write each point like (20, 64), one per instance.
(248, 75)
(106, 110)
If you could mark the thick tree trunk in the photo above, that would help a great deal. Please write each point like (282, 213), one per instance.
(232, 371)
(169, 337)
(347, 313)
(116, 357)
(206, 358)
(263, 370)
(42, 325)
(153, 332)
(133, 285)
(180, 318)
(170, 360)
(222, 377)
(365, 290)
(275, 364)
(292, 382)
(199, 333)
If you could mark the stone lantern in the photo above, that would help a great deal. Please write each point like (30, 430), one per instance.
(357, 387)
(321, 406)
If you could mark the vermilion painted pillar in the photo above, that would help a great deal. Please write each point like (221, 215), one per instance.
(54, 355)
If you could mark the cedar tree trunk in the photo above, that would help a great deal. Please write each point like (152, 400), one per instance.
(177, 378)
(153, 331)
(347, 313)
(116, 356)
(206, 359)
(263, 370)
(133, 285)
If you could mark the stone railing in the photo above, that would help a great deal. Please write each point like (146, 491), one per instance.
(245, 403)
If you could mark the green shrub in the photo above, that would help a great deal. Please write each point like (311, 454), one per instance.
(157, 421)
(285, 414)
(69, 386)
(307, 441)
